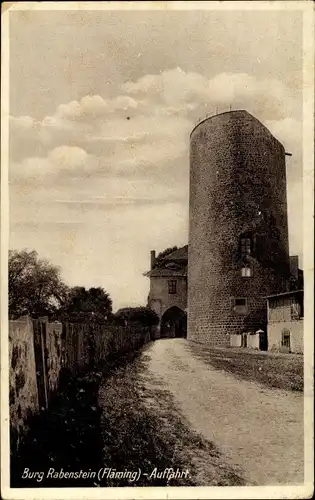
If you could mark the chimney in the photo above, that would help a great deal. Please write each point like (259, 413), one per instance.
(294, 266)
(152, 258)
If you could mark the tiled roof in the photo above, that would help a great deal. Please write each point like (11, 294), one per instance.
(179, 254)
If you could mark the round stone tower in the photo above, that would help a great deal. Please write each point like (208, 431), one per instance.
(238, 234)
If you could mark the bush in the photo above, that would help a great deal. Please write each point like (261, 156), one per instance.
(143, 315)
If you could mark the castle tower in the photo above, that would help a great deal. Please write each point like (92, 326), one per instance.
(238, 234)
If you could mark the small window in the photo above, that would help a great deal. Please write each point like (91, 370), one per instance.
(285, 340)
(246, 246)
(172, 286)
(239, 305)
(246, 272)
(240, 302)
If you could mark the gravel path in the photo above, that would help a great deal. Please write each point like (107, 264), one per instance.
(259, 430)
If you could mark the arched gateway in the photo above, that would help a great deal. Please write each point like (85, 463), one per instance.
(174, 323)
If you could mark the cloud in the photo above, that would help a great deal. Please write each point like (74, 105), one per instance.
(102, 160)
(173, 87)
(156, 111)
(22, 122)
(68, 157)
(93, 107)
(61, 160)
(144, 130)
(188, 91)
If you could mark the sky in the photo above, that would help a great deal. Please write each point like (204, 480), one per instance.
(101, 107)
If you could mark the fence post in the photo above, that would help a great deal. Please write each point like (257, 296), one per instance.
(39, 328)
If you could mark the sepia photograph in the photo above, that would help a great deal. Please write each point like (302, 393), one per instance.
(157, 250)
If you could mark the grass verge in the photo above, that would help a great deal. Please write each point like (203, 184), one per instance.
(282, 371)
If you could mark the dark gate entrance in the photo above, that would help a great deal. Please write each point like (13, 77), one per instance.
(174, 323)
(263, 340)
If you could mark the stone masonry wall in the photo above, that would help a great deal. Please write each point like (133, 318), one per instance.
(237, 186)
(55, 354)
(39, 351)
(22, 378)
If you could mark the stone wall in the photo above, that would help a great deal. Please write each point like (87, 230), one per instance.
(23, 395)
(237, 187)
(41, 351)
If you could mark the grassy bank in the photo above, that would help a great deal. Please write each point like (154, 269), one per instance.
(283, 371)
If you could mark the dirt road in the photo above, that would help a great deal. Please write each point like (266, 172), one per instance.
(259, 430)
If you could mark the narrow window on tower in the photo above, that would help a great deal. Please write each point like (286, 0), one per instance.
(246, 272)
(172, 286)
(246, 246)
